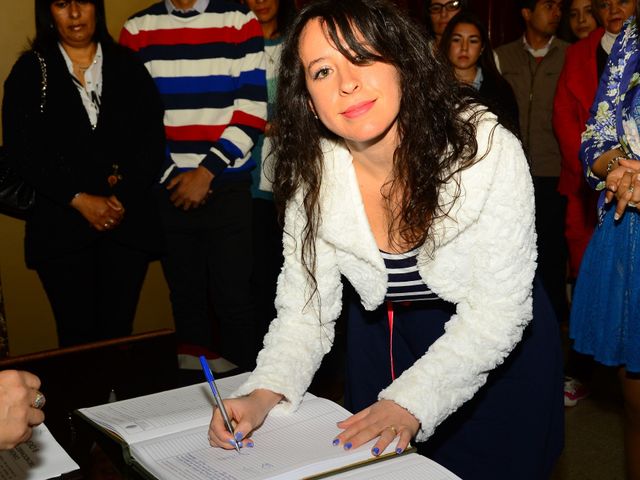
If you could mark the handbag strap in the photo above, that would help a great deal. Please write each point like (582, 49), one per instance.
(43, 81)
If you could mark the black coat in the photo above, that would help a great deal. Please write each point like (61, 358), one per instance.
(60, 155)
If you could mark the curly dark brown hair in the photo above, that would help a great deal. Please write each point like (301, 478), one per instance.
(437, 135)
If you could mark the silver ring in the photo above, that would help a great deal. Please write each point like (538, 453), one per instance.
(632, 204)
(631, 188)
(39, 401)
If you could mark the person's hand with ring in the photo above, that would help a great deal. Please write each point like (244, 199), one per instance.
(20, 407)
(384, 419)
(623, 183)
(102, 213)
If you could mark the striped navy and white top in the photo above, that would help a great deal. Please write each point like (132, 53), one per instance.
(405, 283)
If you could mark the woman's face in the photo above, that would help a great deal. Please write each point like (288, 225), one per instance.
(581, 19)
(75, 21)
(613, 13)
(359, 103)
(466, 46)
(441, 11)
(265, 10)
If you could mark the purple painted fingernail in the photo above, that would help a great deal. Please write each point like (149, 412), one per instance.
(239, 436)
(375, 451)
(249, 444)
(399, 451)
(347, 446)
(232, 443)
(335, 442)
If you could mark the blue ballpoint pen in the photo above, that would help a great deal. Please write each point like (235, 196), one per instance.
(218, 398)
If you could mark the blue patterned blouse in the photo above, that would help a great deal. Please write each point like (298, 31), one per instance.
(615, 113)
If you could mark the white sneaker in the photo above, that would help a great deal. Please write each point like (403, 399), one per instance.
(574, 391)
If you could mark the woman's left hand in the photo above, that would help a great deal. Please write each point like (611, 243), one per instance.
(384, 419)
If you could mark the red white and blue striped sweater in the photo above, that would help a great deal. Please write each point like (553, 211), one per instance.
(210, 71)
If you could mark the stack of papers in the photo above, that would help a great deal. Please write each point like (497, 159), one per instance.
(39, 458)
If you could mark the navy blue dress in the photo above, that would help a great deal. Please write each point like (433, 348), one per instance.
(513, 426)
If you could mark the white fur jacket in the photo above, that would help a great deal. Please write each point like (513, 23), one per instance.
(484, 263)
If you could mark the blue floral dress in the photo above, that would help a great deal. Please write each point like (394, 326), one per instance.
(605, 315)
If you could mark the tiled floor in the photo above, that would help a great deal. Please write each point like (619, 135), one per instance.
(594, 444)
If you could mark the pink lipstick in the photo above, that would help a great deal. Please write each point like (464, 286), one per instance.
(358, 109)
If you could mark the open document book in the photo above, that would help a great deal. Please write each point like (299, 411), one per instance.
(165, 437)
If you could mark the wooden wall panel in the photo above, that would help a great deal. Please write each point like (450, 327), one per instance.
(502, 18)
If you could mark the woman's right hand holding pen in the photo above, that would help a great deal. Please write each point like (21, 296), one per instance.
(246, 414)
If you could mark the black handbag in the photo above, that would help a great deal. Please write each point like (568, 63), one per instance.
(16, 196)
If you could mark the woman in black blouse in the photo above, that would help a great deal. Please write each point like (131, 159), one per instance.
(91, 146)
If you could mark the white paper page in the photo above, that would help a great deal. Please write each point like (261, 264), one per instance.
(39, 458)
(162, 413)
(299, 442)
(405, 467)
